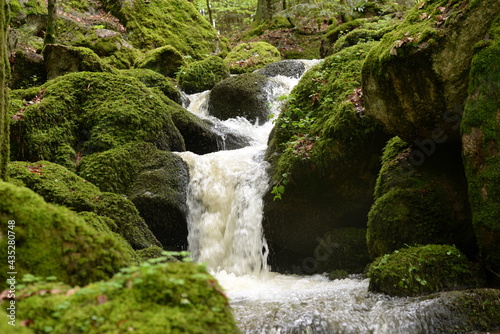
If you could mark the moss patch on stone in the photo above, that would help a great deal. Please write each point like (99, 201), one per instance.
(151, 298)
(165, 60)
(82, 113)
(248, 57)
(412, 199)
(54, 241)
(416, 79)
(202, 75)
(58, 185)
(481, 144)
(167, 22)
(324, 154)
(421, 270)
(155, 181)
(153, 79)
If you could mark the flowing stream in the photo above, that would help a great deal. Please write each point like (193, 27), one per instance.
(225, 232)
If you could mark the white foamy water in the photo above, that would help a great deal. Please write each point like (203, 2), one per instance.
(225, 232)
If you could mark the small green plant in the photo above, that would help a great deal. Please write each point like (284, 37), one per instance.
(301, 142)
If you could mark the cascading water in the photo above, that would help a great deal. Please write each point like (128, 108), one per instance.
(225, 232)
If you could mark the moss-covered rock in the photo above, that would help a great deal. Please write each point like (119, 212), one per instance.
(481, 144)
(154, 180)
(54, 241)
(152, 298)
(82, 113)
(416, 79)
(104, 37)
(324, 157)
(421, 270)
(58, 185)
(153, 79)
(60, 60)
(167, 22)
(420, 198)
(165, 60)
(248, 57)
(246, 95)
(27, 70)
(202, 75)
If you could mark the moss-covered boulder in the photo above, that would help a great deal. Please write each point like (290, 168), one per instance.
(202, 75)
(61, 59)
(105, 38)
(289, 68)
(352, 32)
(421, 270)
(82, 113)
(246, 95)
(420, 198)
(248, 57)
(324, 159)
(27, 70)
(58, 185)
(416, 80)
(481, 144)
(54, 241)
(165, 60)
(167, 22)
(155, 181)
(151, 298)
(153, 79)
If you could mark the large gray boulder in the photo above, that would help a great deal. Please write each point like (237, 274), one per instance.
(246, 95)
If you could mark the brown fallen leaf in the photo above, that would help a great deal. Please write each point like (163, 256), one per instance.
(421, 5)
(27, 322)
(101, 299)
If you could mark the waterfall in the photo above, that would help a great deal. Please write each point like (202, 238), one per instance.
(225, 232)
(225, 194)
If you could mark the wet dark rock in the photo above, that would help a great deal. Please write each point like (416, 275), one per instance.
(288, 68)
(246, 95)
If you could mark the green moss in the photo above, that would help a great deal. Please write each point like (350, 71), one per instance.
(116, 170)
(481, 144)
(322, 118)
(54, 241)
(153, 79)
(480, 309)
(60, 186)
(165, 60)
(61, 59)
(248, 57)
(334, 32)
(83, 113)
(416, 79)
(4, 101)
(199, 76)
(412, 202)
(152, 298)
(173, 22)
(421, 270)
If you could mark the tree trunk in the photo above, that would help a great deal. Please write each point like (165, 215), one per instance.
(4, 76)
(267, 8)
(50, 34)
(210, 13)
